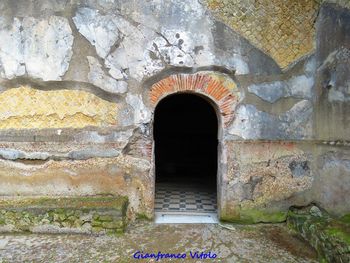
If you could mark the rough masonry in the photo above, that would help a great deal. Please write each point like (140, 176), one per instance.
(80, 80)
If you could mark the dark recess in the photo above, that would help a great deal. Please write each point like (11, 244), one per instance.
(185, 134)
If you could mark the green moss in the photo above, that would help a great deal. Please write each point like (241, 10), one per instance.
(345, 219)
(97, 229)
(108, 212)
(112, 225)
(107, 218)
(253, 216)
(96, 217)
(141, 216)
(338, 233)
(322, 260)
(330, 237)
(257, 216)
(96, 223)
(64, 203)
(62, 217)
(224, 217)
(115, 232)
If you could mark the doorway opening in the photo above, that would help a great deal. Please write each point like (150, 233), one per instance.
(186, 141)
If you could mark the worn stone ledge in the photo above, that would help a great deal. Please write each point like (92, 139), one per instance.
(92, 214)
(51, 150)
(94, 135)
(330, 237)
(292, 142)
(254, 216)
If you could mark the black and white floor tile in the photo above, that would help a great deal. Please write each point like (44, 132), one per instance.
(177, 198)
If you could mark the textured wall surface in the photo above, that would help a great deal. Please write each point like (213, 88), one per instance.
(28, 108)
(284, 29)
(39, 47)
(80, 80)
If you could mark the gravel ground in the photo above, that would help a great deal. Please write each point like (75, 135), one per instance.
(233, 243)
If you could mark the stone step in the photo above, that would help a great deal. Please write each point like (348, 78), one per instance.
(91, 214)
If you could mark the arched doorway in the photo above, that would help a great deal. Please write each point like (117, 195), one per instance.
(186, 140)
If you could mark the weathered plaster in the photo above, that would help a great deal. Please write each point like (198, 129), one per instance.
(262, 177)
(296, 123)
(40, 48)
(298, 87)
(101, 31)
(100, 79)
(333, 57)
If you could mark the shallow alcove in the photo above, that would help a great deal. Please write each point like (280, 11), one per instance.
(185, 135)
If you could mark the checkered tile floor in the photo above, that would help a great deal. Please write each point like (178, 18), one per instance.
(179, 198)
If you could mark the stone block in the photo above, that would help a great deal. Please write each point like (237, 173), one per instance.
(75, 214)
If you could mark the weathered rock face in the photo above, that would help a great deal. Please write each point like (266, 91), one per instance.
(102, 214)
(259, 184)
(330, 237)
(333, 74)
(80, 80)
(41, 48)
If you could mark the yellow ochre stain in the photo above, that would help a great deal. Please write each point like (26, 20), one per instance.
(29, 108)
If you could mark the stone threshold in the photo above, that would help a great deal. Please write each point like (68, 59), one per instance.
(185, 218)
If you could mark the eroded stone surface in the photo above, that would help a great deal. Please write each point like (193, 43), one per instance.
(337, 82)
(11, 55)
(141, 113)
(262, 179)
(141, 49)
(92, 214)
(122, 175)
(330, 237)
(99, 78)
(241, 244)
(101, 30)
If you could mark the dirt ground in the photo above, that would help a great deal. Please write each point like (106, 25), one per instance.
(232, 243)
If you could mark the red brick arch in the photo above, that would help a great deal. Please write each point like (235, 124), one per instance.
(197, 83)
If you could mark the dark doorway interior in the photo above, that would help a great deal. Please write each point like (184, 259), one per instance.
(185, 134)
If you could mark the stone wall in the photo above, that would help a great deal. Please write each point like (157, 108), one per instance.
(80, 80)
(102, 214)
